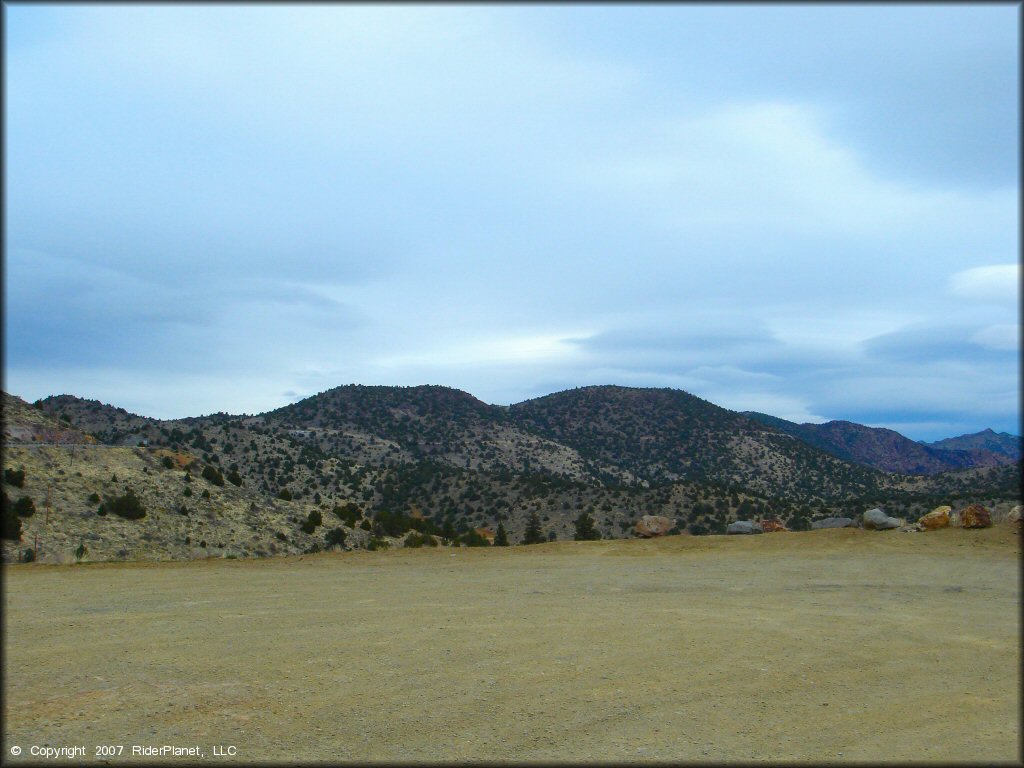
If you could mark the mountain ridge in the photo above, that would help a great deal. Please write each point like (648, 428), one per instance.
(356, 465)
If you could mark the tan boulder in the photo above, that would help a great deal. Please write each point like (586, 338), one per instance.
(937, 518)
(1014, 516)
(653, 525)
(773, 524)
(975, 516)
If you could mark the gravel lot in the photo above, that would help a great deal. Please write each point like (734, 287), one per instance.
(836, 645)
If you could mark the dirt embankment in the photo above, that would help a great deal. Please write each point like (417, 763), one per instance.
(836, 645)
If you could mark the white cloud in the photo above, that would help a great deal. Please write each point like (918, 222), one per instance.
(997, 284)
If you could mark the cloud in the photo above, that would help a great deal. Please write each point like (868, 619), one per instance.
(515, 200)
(941, 342)
(996, 284)
(1001, 337)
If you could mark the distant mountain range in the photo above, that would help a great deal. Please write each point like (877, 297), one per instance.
(999, 443)
(436, 458)
(890, 451)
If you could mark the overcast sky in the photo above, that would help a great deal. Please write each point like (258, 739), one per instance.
(806, 211)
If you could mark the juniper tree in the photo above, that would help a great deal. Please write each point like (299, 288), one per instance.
(585, 528)
(533, 534)
(501, 536)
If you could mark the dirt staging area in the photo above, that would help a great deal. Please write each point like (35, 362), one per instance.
(834, 645)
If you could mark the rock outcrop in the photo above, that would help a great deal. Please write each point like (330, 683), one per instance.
(773, 524)
(649, 526)
(975, 516)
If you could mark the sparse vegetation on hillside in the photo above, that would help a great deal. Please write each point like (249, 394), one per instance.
(436, 462)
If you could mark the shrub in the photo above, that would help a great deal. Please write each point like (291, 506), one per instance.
(365, 525)
(28, 556)
(15, 477)
(206, 493)
(166, 461)
(281, 536)
(376, 544)
(187, 491)
(183, 510)
(284, 494)
(415, 540)
(101, 510)
(474, 539)
(798, 523)
(348, 513)
(234, 478)
(127, 506)
(213, 475)
(11, 522)
(313, 520)
(335, 537)
(94, 498)
(80, 551)
(25, 507)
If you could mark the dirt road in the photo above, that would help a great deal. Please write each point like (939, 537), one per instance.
(836, 645)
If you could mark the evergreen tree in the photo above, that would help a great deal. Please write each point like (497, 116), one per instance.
(447, 530)
(533, 534)
(585, 529)
(501, 536)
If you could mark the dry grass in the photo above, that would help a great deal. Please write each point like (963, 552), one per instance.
(840, 645)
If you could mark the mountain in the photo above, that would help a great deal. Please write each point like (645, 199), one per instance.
(999, 443)
(664, 435)
(883, 449)
(389, 425)
(361, 467)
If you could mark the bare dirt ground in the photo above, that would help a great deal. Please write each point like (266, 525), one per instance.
(834, 645)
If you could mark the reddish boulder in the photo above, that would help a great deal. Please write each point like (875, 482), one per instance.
(937, 518)
(653, 525)
(975, 516)
(773, 524)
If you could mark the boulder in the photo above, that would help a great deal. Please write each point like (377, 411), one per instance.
(832, 522)
(773, 524)
(937, 518)
(653, 525)
(743, 526)
(876, 519)
(1014, 516)
(975, 516)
